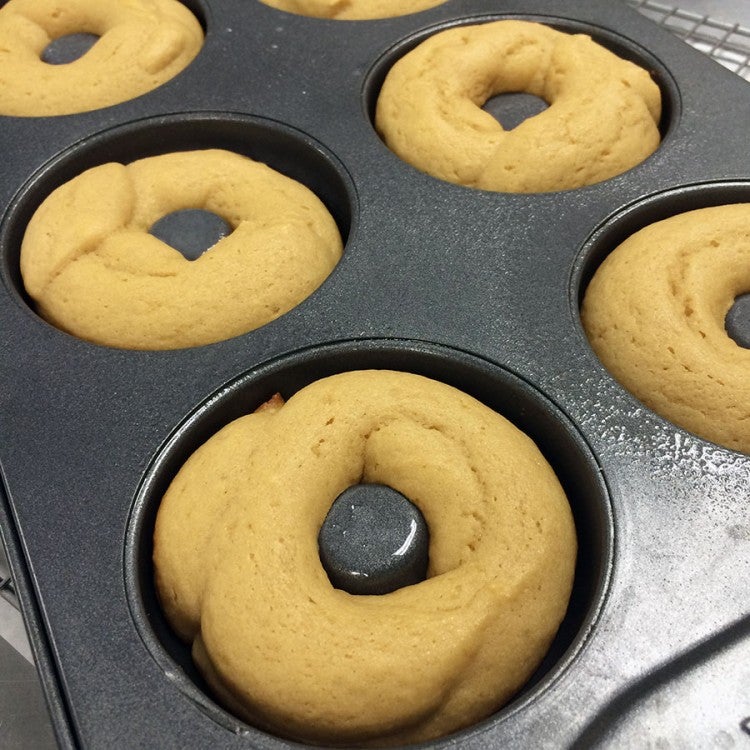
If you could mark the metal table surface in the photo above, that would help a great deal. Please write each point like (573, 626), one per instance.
(719, 28)
(24, 722)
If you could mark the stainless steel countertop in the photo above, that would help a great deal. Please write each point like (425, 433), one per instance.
(24, 722)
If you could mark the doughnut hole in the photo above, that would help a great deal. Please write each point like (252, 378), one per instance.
(373, 541)
(698, 322)
(511, 109)
(511, 104)
(66, 49)
(737, 321)
(287, 151)
(191, 231)
(559, 441)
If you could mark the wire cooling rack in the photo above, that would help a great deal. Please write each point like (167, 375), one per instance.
(727, 43)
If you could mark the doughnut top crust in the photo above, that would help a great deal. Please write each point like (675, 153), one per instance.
(352, 10)
(93, 270)
(239, 575)
(602, 119)
(654, 313)
(142, 44)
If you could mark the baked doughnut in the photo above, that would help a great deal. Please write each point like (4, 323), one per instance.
(654, 314)
(602, 119)
(352, 10)
(239, 575)
(93, 270)
(142, 44)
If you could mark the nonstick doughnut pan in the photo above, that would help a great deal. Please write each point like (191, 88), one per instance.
(478, 289)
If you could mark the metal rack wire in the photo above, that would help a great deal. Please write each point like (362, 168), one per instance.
(727, 43)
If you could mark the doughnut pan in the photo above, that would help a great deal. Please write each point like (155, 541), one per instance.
(478, 289)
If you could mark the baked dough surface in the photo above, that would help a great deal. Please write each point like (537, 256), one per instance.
(654, 314)
(603, 115)
(142, 44)
(352, 10)
(93, 270)
(239, 576)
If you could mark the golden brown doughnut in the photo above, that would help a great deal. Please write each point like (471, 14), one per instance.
(352, 10)
(654, 314)
(602, 119)
(239, 575)
(92, 268)
(142, 44)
